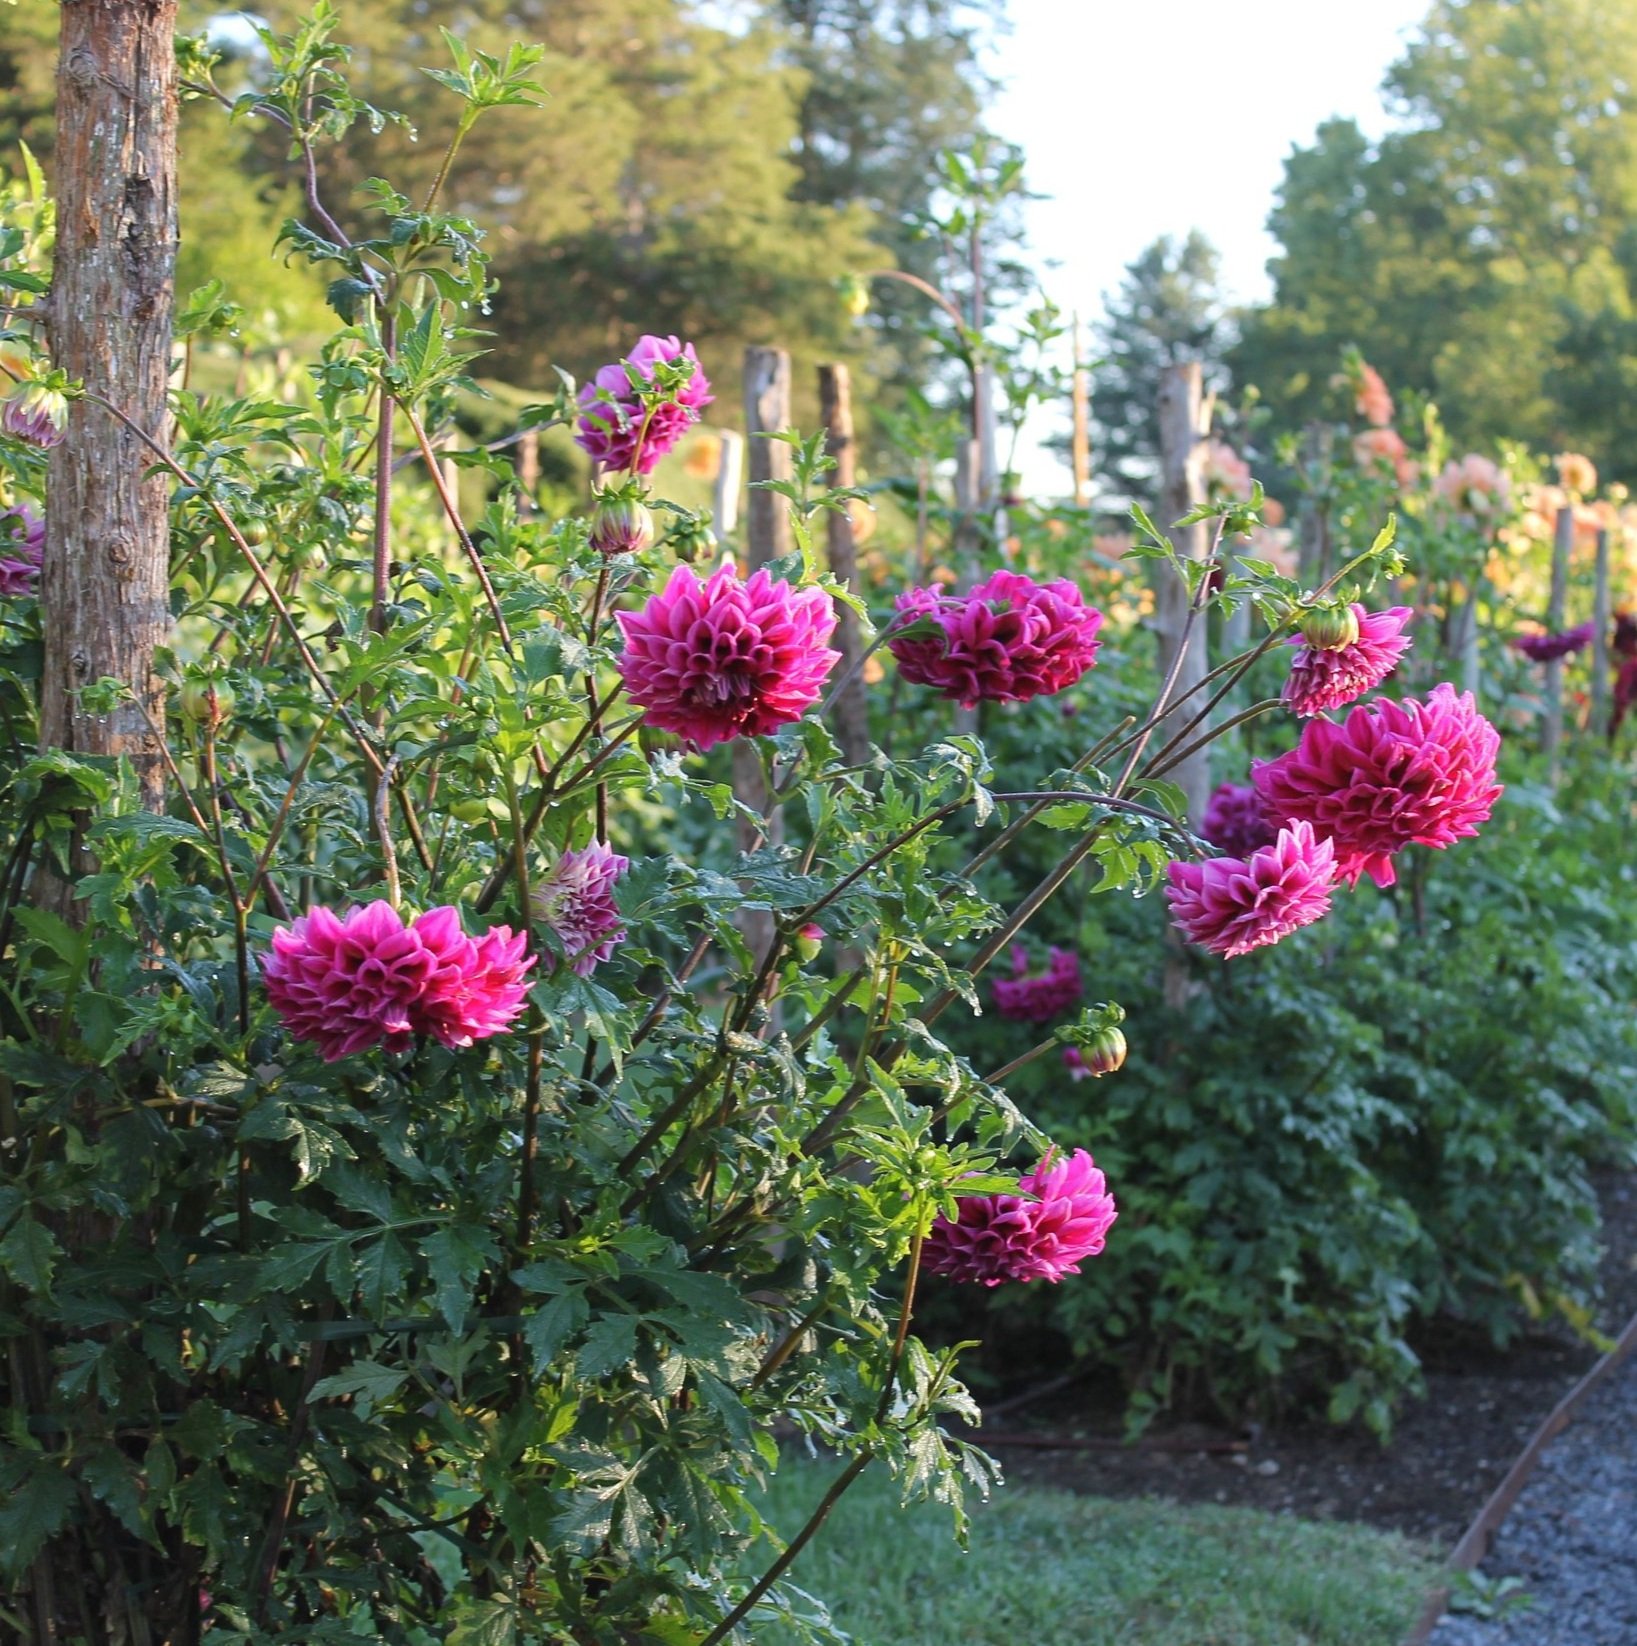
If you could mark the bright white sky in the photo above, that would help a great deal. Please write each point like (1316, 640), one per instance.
(1148, 117)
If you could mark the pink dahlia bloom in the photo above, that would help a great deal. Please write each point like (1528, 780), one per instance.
(576, 899)
(1231, 905)
(1009, 640)
(1234, 821)
(1474, 486)
(367, 979)
(22, 547)
(1374, 402)
(1002, 1237)
(1227, 474)
(623, 426)
(476, 987)
(1389, 776)
(1548, 648)
(1039, 997)
(1320, 680)
(727, 659)
(1385, 448)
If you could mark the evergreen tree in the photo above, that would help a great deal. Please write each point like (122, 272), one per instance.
(1168, 310)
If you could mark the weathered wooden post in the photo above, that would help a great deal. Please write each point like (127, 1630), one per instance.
(104, 588)
(767, 536)
(1080, 435)
(528, 472)
(730, 481)
(1602, 617)
(1556, 602)
(967, 540)
(1182, 488)
(849, 714)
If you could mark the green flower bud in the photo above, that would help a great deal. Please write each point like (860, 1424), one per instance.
(621, 524)
(689, 539)
(1330, 628)
(205, 702)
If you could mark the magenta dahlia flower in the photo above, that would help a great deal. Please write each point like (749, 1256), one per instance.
(22, 548)
(1231, 905)
(1234, 820)
(727, 659)
(476, 987)
(625, 425)
(1038, 997)
(368, 979)
(576, 899)
(1009, 1237)
(1389, 776)
(1548, 648)
(1007, 641)
(1320, 680)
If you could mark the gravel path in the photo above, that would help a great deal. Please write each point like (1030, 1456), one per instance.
(1571, 1537)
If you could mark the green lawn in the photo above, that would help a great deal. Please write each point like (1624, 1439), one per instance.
(1050, 1569)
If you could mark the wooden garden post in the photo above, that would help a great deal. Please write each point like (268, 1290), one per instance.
(767, 536)
(104, 588)
(849, 715)
(1183, 430)
(1552, 733)
(1602, 616)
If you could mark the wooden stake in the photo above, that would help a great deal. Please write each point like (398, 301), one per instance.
(1602, 617)
(1552, 731)
(767, 536)
(1080, 438)
(849, 713)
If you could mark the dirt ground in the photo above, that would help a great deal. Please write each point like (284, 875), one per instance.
(1448, 1450)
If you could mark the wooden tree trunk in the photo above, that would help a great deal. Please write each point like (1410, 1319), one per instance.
(767, 536)
(849, 715)
(105, 585)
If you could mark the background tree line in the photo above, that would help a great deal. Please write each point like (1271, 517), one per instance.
(705, 173)
(1483, 253)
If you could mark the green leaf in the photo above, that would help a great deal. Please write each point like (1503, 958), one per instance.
(456, 1257)
(32, 1512)
(611, 1342)
(29, 1255)
(548, 1329)
(368, 1382)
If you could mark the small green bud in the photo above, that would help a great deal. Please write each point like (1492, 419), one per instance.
(807, 942)
(205, 703)
(1330, 628)
(691, 538)
(621, 524)
(854, 294)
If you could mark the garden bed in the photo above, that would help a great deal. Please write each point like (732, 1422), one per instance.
(1447, 1453)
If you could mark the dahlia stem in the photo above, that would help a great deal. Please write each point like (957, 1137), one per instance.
(381, 542)
(381, 810)
(1018, 1062)
(848, 1475)
(1159, 765)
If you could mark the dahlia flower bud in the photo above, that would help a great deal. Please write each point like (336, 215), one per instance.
(691, 539)
(1008, 641)
(206, 702)
(1330, 628)
(576, 899)
(621, 524)
(807, 942)
(1322, 679)
(1102, 1054)
(854, 294)
(1389, 776)
(1060, 1215)
(727, 659)
(35, 415)
(1038, 997)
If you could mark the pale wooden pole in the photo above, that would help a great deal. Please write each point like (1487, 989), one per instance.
(1182, 488)
(967, 540)
(1557, 601)
(105, 585)
(730, 482)
(849, 713)
(767, 536)
(1602, 616)
(1080, 436)
(528, 472)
